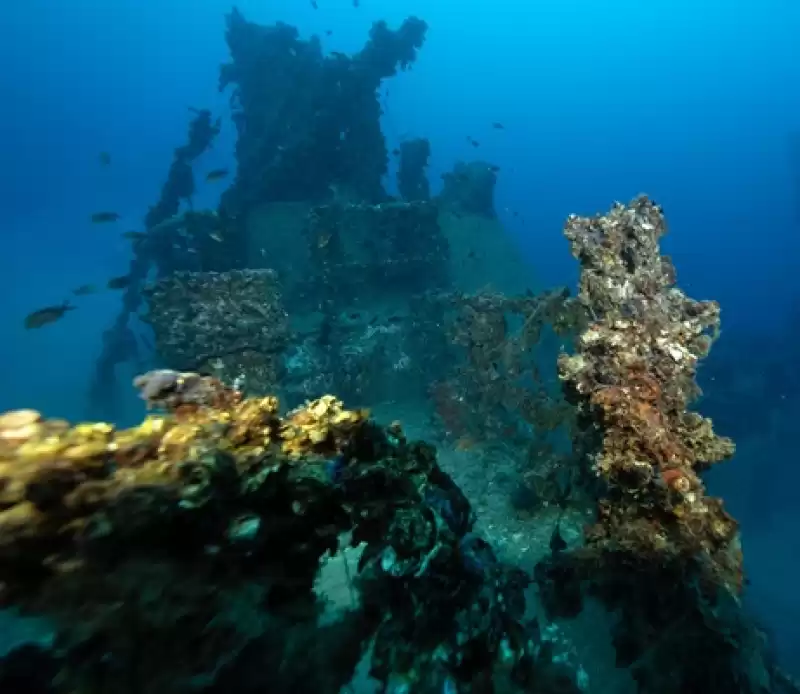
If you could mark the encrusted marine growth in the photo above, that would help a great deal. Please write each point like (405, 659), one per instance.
(180, 555)
(662, 556)
(179, 185)
(412, 179)
(309, 122)
(488, 347)
(68, 488)
(469, 189)
(195, 241)
(383, 251)
(634, 376)
(227, 323)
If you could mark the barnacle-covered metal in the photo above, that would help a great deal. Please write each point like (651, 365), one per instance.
(633, 376)
(394, 248)
(228, 324)
(662, 555)
(488, 368)
(182, 553)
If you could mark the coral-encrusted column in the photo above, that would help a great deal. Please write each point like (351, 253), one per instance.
(634, 376)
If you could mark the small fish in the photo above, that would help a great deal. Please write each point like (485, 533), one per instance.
(473, 142)
(134, 236)
(396, 152)
(216, 174)
(314, 4)
(215, 237)
(557, 541)
(494, 168)
(356, 3)
(328, 32)
(471, 255)
(119, 282)
(325, 331)
(337, 54)
(46, 315)
(104, 158)
(105, 217)
(355, 316)
(84, 290)
(465, 443)
(498, 126)
(335, 467)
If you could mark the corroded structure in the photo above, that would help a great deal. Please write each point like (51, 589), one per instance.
(308, 122)
(230, 324)
(180, 555)
(661, 554)
(179, 186)
(412, 178)
(634, 377)
(469, 188)
(377, 252)
(489, 381)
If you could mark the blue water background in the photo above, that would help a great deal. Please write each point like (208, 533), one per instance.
(695, 103)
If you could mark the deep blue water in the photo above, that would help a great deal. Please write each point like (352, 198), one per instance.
(696, 104)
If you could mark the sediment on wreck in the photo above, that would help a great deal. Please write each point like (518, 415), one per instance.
(661, 553)
(181, 555)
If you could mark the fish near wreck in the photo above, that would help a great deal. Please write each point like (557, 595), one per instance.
(135, 236)
(105, 217)
(120, 282)
(216, 175)
(45, 316)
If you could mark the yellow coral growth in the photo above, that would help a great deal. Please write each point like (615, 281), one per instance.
(34, 450)
(319, 427)
(56, 480)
